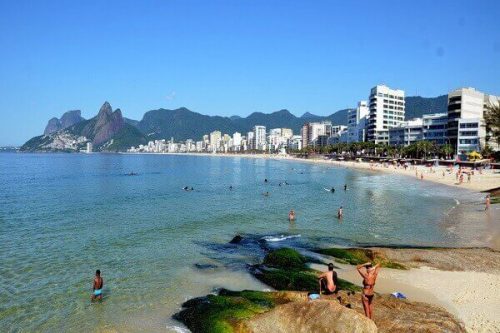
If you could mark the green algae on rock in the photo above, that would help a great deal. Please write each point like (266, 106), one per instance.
(356, 256)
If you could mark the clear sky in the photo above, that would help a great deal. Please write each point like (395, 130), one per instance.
(234, 57)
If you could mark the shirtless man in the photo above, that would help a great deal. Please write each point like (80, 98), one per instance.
(97, 287)
(291, 215)
(340, 213)
(369, 274)
(328, 281)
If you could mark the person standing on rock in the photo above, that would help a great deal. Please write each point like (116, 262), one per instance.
(328, 281)
(369, 274)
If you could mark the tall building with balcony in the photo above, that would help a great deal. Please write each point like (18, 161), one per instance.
(466, 129)
(386, 110)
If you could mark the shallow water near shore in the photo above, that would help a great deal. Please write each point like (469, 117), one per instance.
(64, 215)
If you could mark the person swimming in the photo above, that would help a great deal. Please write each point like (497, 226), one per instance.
(265, 180)
(369, 274)
(97, 286)
(332, 190)
(230, 187)
(291, 215)
(345, 187)
(340, 213)
(266, 194)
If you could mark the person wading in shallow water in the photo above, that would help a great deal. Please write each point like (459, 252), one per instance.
(291, 215)
(97, 287)
(369, 274)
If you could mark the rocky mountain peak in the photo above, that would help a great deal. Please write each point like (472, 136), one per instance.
(68, 119)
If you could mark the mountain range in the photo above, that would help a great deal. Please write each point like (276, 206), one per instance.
(110, 131)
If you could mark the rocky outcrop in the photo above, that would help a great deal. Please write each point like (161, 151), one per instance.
(68, 119)
(320, 316)
(105, 125)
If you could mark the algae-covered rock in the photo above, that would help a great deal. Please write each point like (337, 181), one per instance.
(286, 269)
(285, 258)
(223, 313)
(321, 316)
(356, 256)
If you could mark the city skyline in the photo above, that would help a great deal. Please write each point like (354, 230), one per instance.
(220, 59)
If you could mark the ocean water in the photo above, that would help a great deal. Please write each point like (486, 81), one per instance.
(62, 216)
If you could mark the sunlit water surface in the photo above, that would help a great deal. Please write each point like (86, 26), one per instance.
(64, 215)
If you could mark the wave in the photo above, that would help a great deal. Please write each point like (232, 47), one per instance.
(279, 238)
(178, 329)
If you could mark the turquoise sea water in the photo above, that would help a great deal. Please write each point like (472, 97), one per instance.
(64, 215)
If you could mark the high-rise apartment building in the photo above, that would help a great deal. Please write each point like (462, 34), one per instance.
(356, 122)
(260, 137)
(466, 129)
(386, 110)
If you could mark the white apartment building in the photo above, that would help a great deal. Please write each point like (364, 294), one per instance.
(356, 122)
(311, 132)
(386, 110)
(466, 108)
(236, 144)
(251, 140)
(215, 139)
(295, 142)
(407, 133)
(260, 137)
(287, 133)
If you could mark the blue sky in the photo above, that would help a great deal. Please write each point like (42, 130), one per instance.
(234, 57)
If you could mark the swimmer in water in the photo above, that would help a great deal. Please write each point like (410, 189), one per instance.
(230, 187)
(340, 213)
(332, 190)
(265, 180)
(345, 187)
(97, 286)
(266, 194)
(291, 215)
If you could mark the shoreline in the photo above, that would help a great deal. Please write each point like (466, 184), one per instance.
(487, 181)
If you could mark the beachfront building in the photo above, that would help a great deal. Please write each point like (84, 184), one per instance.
(278, 138)
(260, 137)
(215, 140)
(470, 135)
(407, 133)
(466, 128)
(236, 143)
(356, 122)
(434, 127)
(313, 134)
(386, 110)
(304, 133)
(295, 142)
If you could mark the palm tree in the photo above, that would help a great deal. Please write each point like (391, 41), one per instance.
(447, 150)
(492, 119)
